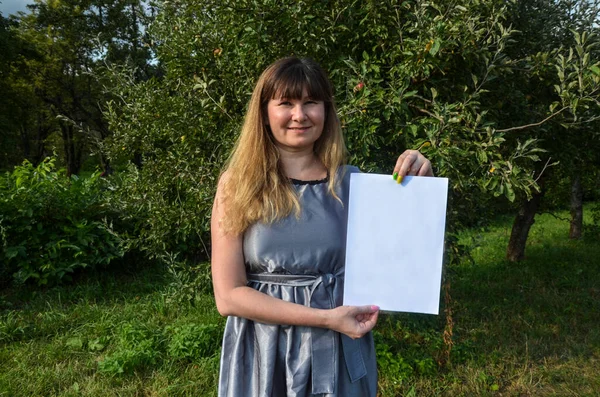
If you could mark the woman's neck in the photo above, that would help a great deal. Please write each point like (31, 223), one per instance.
(303, 166)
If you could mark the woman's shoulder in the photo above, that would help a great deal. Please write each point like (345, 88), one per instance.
(351, 169)
(345, 170)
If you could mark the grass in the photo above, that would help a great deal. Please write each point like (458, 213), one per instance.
(524, 329)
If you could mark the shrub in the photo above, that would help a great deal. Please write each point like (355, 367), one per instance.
(193, 342)
(188, 282)
(51, 225)
(137, 348)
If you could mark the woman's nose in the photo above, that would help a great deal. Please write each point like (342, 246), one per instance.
(298, 114)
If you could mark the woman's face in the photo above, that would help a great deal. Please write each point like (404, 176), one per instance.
(296, 124)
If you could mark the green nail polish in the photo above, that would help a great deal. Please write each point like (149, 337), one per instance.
(395, 175)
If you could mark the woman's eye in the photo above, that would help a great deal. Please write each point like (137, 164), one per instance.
(285, 103)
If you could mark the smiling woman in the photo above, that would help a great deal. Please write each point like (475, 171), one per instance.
(278, 244)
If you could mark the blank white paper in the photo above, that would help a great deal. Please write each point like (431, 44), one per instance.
(395, 242)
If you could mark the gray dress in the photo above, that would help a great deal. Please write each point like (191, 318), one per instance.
(301, 261)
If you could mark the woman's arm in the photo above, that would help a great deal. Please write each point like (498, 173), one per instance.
(234, 298)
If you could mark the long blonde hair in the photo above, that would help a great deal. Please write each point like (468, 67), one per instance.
(255, 187)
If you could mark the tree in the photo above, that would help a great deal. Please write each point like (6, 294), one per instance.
(555, 81)
(23, 129)
(410, 75)
(73, 40)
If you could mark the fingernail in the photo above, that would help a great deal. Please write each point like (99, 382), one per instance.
(399, 180)
(374, 308)
(395, 175)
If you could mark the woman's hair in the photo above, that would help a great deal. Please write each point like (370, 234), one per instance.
(254, 186)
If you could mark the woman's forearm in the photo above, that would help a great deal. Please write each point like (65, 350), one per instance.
(249, 303)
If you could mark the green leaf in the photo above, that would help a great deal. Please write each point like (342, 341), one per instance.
(482, 156)
(435, 47)
(509, 193)
(96, 345)
(75, 343)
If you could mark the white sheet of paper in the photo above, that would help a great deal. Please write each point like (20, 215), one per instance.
(395, 242)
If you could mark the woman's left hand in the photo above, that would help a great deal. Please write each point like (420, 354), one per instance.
(412, 162)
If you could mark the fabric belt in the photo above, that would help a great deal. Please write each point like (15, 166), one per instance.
(323, 288)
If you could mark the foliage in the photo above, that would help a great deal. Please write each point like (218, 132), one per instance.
(137, 349)
(483, 89)
(592, 230)
(170, 213)
(53, 100)
(18, 140)
(188, 282)
(192, 341)
(525, 330)
(403, 78)
(51, 226)
(408, 345)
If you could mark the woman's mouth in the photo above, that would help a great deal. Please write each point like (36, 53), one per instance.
(298, 129)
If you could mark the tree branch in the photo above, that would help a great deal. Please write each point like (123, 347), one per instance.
(543, 169)
(427, 112)
(555, 216)
(522, 127)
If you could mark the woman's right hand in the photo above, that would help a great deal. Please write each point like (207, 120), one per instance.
(354, 321)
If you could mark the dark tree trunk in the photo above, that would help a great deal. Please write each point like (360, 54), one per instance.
(25, 144)
(576, 207)
(72, 150)
(105, 163)
(137, 159)
(520, 231)
(42, 132)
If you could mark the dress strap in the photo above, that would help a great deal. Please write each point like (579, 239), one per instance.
(323, 288)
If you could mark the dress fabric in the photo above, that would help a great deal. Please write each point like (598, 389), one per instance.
(302, 261)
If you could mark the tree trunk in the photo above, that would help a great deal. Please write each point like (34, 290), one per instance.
(72, 150)
(520, 231)
(576, 207)
(42, 132)
(137, 159)
(26, 147)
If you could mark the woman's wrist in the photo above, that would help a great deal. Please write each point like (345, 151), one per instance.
(325, 318)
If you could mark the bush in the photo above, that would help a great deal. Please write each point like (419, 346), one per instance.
(188, 282)
(137, 348)
(192, 341)
(51, 225)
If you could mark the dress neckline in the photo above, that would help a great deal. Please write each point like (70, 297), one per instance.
(311, 182)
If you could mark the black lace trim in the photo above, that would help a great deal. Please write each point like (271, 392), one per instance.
(313, 182)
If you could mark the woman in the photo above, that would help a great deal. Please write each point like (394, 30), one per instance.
(278, 245)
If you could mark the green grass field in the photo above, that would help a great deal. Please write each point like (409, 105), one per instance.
(524, 329)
